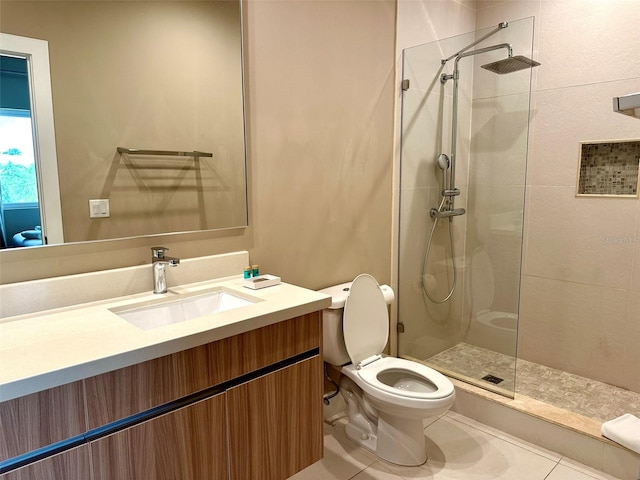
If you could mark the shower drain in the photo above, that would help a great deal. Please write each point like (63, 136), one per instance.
(493, 379)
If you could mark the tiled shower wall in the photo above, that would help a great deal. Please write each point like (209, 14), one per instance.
(580, 291)
(580, 283)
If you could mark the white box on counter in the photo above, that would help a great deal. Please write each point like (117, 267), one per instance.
(261, 281)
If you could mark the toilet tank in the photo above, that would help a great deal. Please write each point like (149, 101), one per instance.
(333, 347)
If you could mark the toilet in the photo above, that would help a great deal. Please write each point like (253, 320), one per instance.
(387, 398)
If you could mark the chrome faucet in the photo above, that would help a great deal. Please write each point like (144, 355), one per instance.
(159, 262)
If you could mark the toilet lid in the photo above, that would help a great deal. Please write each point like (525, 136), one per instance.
(365, 323)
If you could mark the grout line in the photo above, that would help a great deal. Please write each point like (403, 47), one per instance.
(551, 471)
(354, 476)
(554, 467)
(586, 470)
(585, 84)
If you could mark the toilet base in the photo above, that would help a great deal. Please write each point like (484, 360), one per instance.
(398, 440)
(401, 440)
(402, 445)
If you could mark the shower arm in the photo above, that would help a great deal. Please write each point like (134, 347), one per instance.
(483, 50)
(452, 191)
(500, 26)
(444, 77)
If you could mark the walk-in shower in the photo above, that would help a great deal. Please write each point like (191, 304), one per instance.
(463, 162)
(561, 347)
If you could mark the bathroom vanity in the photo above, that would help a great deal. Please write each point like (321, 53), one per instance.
(235, 394)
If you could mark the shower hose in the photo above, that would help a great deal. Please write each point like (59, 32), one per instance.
(426, 258)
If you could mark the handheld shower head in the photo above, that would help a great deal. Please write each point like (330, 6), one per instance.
(510, 65)
(443, 161)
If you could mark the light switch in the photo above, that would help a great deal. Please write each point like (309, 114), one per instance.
(99, 208)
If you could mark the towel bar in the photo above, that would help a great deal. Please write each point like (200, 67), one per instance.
(134, 151)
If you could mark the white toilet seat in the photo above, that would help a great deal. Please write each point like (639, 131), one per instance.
(366, 379)
(439, 385)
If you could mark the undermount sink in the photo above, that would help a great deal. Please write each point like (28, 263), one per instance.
(159, 314)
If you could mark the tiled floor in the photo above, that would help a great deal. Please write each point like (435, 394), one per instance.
(458, 448)
(564, 390)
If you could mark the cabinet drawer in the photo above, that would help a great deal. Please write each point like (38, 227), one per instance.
(189, 443)
(130, 390)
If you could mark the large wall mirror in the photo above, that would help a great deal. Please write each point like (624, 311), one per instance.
(164, 77)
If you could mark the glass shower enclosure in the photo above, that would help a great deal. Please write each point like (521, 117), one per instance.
(462, 190)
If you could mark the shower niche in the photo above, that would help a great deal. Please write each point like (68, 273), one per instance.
(609, 168)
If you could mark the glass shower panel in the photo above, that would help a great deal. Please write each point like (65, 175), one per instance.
(473, 334)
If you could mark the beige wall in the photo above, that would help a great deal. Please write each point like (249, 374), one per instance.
(321, 89)
(580, 307)
(319, 86)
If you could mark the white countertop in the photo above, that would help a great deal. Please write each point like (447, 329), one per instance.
(51, 348)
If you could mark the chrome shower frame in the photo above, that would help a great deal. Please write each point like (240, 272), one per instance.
(449, 189)
(447, 209)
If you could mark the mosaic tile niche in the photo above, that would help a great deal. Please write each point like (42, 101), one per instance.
(609, 168)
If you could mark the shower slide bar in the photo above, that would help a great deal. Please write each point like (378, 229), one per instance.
(169, 153)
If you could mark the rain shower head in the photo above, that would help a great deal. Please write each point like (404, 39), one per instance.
(510, 64)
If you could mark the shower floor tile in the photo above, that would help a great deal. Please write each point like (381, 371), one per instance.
(475, 363)
(584, 396)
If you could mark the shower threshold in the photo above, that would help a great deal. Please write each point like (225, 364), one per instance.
(590, 398)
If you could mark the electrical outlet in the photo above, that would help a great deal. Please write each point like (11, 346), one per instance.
(99, 208)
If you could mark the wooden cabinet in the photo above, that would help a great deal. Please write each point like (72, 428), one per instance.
(248, 406)
(118, 394)
(275, 423)
(189, 443)
(40, 419)
(70, 465)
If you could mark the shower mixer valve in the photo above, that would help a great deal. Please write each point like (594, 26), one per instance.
(435, 213)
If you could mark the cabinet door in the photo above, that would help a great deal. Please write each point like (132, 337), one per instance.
(275, 423)
(70, 465)
(40, 419)
(189, 443)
